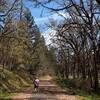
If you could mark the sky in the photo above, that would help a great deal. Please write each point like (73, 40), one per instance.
(42, 16)
(39, 17)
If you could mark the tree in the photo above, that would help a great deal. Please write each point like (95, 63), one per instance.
(98, 2)
(79, 32)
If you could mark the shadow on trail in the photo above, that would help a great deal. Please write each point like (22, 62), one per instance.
(41, 99)
(48, 90)
(51, 90)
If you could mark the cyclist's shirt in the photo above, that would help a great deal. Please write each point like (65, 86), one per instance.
(37, 82)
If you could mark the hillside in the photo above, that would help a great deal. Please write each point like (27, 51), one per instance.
(11, 81)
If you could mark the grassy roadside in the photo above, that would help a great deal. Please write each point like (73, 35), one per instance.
(71, 89)
(7, 95)
(11, 83)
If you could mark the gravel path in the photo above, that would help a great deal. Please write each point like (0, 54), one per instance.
(47, 91)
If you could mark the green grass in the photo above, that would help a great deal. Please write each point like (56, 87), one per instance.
(83, 95)
(6, 95)
(87, 96)
(11, 82)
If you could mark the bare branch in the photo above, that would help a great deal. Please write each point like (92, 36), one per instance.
(9, 9)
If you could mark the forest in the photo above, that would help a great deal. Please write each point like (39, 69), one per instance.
(72, 57)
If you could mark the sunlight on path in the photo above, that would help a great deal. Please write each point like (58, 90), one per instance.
(47, 91)
(41, 96)
(47, 77)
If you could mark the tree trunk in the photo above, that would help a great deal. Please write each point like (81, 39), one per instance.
(96, 81)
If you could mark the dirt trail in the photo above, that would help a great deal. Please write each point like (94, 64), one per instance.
(47, 91)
